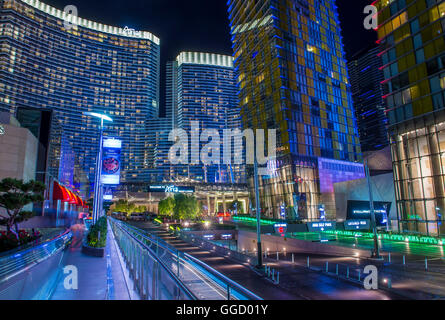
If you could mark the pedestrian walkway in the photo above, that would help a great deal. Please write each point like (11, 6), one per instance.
(98, 278)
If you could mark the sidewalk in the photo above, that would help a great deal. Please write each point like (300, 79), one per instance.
(98, 278)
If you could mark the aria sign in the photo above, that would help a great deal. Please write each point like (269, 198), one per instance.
(128, 32)
(171, 189)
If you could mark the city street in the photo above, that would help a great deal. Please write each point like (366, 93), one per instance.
(295, 284)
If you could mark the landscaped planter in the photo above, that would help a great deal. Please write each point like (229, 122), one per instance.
(93, 252)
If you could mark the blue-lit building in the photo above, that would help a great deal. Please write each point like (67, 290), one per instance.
(83, 66)
(159, 128)
(202, 87)
(366, 78)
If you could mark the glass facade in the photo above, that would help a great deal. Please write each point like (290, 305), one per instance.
(293, 78)
(366, 77)
(88, 68)
(205, 91)
(411, 37)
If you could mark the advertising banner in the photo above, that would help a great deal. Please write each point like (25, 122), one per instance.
(111, 161)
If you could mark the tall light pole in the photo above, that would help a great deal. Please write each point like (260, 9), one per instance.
(376, 251)
(258, 214)
(97, 201)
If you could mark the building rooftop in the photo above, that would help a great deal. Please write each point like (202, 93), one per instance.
(74, 19)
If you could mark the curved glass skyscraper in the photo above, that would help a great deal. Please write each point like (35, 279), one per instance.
(82, 66)
(293, 78)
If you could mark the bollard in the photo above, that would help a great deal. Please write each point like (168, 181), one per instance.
(404, 262)
(293, 258)
(336, 269)
(359, 276)
(278, 257)
(389, 283)
(347, 273)
(389, 257)
(273, 274)
(308, 263)
(278, 277)
(327, 266)
(426, 264)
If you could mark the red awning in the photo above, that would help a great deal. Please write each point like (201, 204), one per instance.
(72, 197)
(60, 193)
(66, 195)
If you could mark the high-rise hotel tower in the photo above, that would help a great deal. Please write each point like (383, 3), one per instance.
(202, 89)
(55, 61)
(293, 78)
(412, 43)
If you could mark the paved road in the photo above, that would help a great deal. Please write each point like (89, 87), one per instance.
(407, 281)
(414, 250)
(297, 283)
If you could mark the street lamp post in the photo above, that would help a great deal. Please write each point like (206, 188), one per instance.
(376, 252)
(258, 214)
(97, 201)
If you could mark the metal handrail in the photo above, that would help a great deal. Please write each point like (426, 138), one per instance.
(20, 261)
(161, 263)
(232, 284)
(211, 274)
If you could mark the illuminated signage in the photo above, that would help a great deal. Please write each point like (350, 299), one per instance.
(280, 228)
(128, 32)
(226, 236)
(2, 130)
(111, 161)
(359, 210)
(171, 189)
(359, 224)
(209, 236)
(321, 226)
(283, 210)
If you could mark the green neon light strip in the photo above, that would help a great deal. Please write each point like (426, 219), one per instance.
(391, 237)
(158, 221)
(250, 219)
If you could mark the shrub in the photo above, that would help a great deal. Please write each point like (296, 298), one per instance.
(9, 240)
(100, 228)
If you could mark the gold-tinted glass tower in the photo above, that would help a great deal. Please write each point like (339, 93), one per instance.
(293, 78)
(412, 43)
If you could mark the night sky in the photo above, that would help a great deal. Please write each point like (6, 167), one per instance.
(199, 25)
